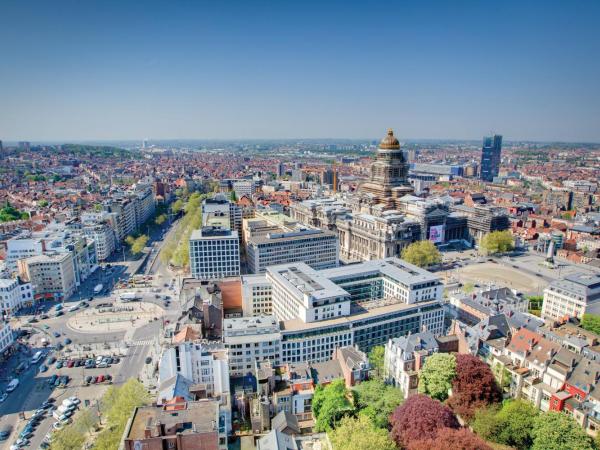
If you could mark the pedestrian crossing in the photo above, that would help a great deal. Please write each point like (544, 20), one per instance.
(142, 343)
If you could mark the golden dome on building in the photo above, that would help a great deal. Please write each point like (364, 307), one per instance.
(389, 142)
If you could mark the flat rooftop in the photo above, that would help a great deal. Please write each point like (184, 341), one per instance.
(395, 268)
(201, 415)
(213, 233)
(302, 279)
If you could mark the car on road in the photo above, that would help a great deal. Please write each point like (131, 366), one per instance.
(3, 397)
(56, 334)
(44, 317)
(148, 360)
(5, 433)
(58, 314)
(67, 341)
(51, 360)
(46, 327)
(43, 368)
(58, 425)
(59, 364)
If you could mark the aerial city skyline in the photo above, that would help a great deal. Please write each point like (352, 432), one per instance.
(299, 226)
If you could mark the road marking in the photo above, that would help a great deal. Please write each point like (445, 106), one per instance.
(142, 343)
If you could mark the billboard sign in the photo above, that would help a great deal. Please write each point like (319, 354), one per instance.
(436, 234)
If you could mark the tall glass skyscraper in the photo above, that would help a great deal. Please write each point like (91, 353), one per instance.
(490, 157)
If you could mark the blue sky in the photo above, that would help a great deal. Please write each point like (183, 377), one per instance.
(225, 69)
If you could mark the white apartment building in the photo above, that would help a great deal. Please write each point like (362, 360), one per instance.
(6, 336)
(214, 253)
(54, 239)
(573, 296)
(13, 295)
(249, 339)
(144, 203)
(201, 363)
(50, 274)
(103, 236)
(256, 295)
(21, 247)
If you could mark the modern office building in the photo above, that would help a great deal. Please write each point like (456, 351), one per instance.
(257, 293)
(271, 238)
(317, 248)
(214, 253)
(362, 304)
(572, 296)
(14, 294)
(490, 157)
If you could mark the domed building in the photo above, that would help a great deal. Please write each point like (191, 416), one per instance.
(389, 175)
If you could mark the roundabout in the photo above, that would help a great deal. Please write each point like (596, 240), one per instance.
(114, 318)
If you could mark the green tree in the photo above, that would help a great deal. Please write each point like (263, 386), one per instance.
(437, 374)
(557, 431)
(117, 406)
(43, 203)
(137, 244)
(422, 254)
(69, 438)
(591, 322)
(330, 403)
(376, 358)
(516, 419)
(160, 219)
(177, 206)
(233, 196)
(486, 423)
(497, 242)
(377, 401)
(359, 434)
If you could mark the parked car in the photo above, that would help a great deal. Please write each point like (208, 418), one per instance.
(51, 360)
(58, 314)
(43, 368)
(88, 379)
(100, 379)
(67, 341)
(70, 363)
(59, 364)
(3, 397)
(56, 334)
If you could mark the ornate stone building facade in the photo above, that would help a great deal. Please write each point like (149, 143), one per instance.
(384, 216)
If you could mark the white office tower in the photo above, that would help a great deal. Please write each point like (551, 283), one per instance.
(214, 253)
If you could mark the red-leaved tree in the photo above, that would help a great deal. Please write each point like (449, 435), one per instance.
(420, 417)
(451, 439)
(473, 387)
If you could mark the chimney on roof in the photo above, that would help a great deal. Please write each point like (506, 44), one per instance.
(147, 433)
